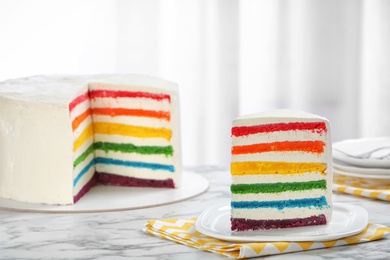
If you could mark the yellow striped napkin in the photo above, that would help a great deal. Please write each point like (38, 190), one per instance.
(360, 187)
(183, 231)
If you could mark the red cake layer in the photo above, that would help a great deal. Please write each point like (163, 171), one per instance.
(241, 224)
(318, 127)
(78, 100)
(112, 179)
(85, 189)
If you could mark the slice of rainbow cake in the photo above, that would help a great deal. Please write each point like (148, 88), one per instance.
(281, 171)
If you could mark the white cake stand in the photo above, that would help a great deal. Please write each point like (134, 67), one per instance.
(113, 198)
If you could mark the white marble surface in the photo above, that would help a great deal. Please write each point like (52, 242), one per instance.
(119, 235)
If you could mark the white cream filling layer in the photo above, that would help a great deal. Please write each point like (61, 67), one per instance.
(141, 173)
(272, 178)
(287, 213)
(83, 180)
(131, 103)
(82, 165)
(83, 148)
(280, 136)
(147, 158)
(80, 129)
(79, 109)
(132, 140)
(279, 196)
(279, 157)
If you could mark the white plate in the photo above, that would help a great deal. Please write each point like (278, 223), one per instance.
(363, 172)
(371, 179)
(346, 220)
(359, 146)
(114, 198)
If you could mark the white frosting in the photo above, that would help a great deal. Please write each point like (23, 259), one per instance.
(283, 116)
(36, 137)
(36, 152)
(277, 116)
(59, 90)
(287, 213)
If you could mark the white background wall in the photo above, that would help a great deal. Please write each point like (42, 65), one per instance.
(229, 57)
(57, 37)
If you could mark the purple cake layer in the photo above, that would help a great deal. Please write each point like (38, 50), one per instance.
(85, 189)
(241, 224)
(112, 179)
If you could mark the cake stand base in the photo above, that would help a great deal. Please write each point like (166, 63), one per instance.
(113, 198)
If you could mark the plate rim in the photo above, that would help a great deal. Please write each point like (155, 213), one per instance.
(340, 165)
(358, 175)
(362, 220)
(360, 162)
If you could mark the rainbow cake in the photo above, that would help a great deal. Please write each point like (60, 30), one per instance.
(61, 135)
(281, 171)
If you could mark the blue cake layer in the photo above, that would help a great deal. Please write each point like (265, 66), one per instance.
(281, 204)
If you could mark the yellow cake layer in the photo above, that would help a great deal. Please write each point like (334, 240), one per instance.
(84, 136)
(254, 167)
(129, 130)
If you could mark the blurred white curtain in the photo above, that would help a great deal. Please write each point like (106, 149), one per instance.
(194, 43)
(230, 57)
(57, 37)
(327, 56)
(307, 56)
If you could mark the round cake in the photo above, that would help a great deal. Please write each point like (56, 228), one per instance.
(61, 135)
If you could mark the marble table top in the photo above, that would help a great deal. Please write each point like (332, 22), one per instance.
(119, 235)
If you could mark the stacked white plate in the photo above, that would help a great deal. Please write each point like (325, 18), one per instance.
(367, 159)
